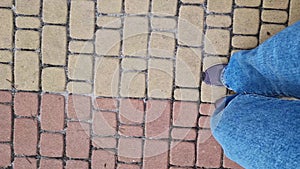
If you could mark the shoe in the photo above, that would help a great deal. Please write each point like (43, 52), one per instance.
(212, 76)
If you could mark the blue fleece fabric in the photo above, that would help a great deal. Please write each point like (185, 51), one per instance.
(256, 130)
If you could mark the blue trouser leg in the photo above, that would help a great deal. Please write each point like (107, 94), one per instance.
(271, 69)
(259, 132)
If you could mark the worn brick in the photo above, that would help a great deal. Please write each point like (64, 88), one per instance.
(51, 145)
(80, 67)
(186, 94)
(78, 140)
(109, 6)
(163, 7)
(134, 64)
(131, 131)
(278, 4)
(212, 93)
(25, 136)
(136, 6)
(26, 104)
(82, 19)
(54, 45)
(182, 153)
(28, 22)
(109, 22)
(53, 79)
(274, 16)
(79, 88)
(230, 164)
(106, 104)
(51, 163)
(211, 61)
(188, 62)
(218, 20)
(30, 7)
(52, 112)
(5, 122)
(27, 70)
(130, 149)
(217, 41)
(5, 155)
(162, 44)
(25, 163)
(135, 36)
(5, 96)
(244, 42)
(27, 39)
(163, 23)
(81, 47)
(157, 119)
(5, 76)
(133, 84)
(185, 114)
(190, 25)
(128, 166)
(104, 142)
(106, 76)
(268, 30)
(155, 154)
(160, 78)
(206, 109)
(108, 42)
(131, 111)
(245, 21)
(5, 56)
(6, 3)
(184, 133)
(193, 1)
(55, 11)
(6, 28)
(294, 13)
(104, 123)
(79, 107)
(103, 159)
(209, 151)
(75, 164)
(220, 6)
(252, 3)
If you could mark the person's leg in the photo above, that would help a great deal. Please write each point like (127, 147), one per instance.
(272, 69)
(259, 132)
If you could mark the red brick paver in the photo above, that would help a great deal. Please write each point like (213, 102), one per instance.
(182, 154)
(5, 155)
(51, 163)
(5, 97)
(76, 164)
(5, 122)
(26, 104)
(79, 107)
(103, 159)
(51, 145)
(25, 163)
(185, 114)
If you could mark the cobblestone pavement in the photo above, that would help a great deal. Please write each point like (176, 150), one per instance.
(117, 83)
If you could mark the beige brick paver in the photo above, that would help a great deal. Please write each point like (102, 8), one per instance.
(162, 44)
(190, 25)
(55, 11)
(212, 93)
(28, 22)
(211, 61)
(108, 42)
(244, 42)
(274, 16)
(133, 84)
(6, 3)
(219, 6)
(109, 6)
(134, 64)
(277, 4)
(294, 11)
(27, 70)
(109, 22)
(188, 62)
(160, 78)
(193, 1)
(54, 45)
(217, 41)
(245, 21)
(218, 20)
(81, 46)
(82, 19)
(6, 28)
(268, 30)
(252, 3)
(29, 7)
(53, 79)
(80, 67)
(106, 76)
(186, 94)
(137, 6)
(135, 36)
(79, 88)
(27, 39)
(163, 23)
(5, 76)
(5, 56)
(163, 7)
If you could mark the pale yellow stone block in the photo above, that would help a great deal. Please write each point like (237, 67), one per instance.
(27, 39)
(55, 11)
(274, 16)
(109, 6)
(6, 3)
(80, 67)
(108, 42)
(218, 20)
(134, 64)
(252, 3)
(5, 76)
(109, 22)
(193, 1)
(54, 41)
(244, 42)
(79, 88)
(136, 6)
(186, 94)
(212, 93)
(27, 70)
(213, 60)
(268, 30)
(163, 23)
(6, 28)
(133, 84)
(188, 63)
(162, 44)
(28, 7)
(219, 6)
(5, 56)
(294, 11)
(106, 76)
(163, 7)
(81, 46)
(276, 4)
(28, 22)
(53, 79)
(217, 41)
(246, 21)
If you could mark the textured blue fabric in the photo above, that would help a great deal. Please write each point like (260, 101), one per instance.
(256, 129)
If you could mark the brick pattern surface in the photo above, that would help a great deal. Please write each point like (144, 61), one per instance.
(116, 84)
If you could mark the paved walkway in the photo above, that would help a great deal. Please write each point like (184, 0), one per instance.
(117, 83)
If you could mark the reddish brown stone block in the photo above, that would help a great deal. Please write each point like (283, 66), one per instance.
(25, 163)
(51, 163)
(106, 104)
(131, 111)
(104, 123)
(155, 154)
(5, 96)
(51, 145)
(206, 109)
(136, 131)
(5, 155)
(79, 107)
(5, 122)
(182, 153)
(185, 114)
(103, 159)
(26, 104)
(75, 164)
(227, 163)
(130, 150)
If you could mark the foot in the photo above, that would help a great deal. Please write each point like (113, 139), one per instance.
(212, 75)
